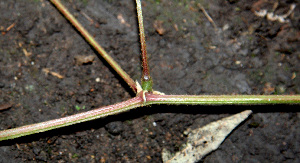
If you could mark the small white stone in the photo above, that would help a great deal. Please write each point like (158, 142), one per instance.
(237, 62)
(225, 27)
(154, 124)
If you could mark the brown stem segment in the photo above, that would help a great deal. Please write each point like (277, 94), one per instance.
(146, 78)
(93, 43)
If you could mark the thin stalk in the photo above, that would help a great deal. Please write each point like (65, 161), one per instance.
(89, 38)
(146, 78)
(222, 99)
(73, 119)
(151, 99)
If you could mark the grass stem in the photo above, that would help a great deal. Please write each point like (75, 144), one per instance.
(146, 78)
(151, 99)
(90, 39)
(70, 120)
(222, 99)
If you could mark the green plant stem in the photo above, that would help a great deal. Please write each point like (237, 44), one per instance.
(94, 44)
(146, 78)
(151, 99)
(222, 99)
(70, 120)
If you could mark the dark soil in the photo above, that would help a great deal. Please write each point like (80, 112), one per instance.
(247, 55)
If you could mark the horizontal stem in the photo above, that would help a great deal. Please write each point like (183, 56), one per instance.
(90, 39)
(70, 120)
(222, 99)
(150, 99)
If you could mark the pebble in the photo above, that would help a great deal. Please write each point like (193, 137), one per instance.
(36, 151)
(42, 156)
(115, 128)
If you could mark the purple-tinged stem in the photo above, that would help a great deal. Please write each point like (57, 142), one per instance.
(146, 78)
(150, 99)
(73, 119)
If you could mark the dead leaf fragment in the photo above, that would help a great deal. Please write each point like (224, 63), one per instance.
(159, 27)
(47, 71)
(176, 27)
(27, 54)
(8, 28)
(122, 20)
(83, 59)
(5, 106)
(268, 89)
(293, 76)
(206, 139)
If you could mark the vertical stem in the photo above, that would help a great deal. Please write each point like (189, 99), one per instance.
(146, 78)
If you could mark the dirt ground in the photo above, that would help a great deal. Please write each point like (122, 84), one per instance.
(242, 54)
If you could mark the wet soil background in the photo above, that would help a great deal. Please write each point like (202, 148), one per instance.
(247, 54)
